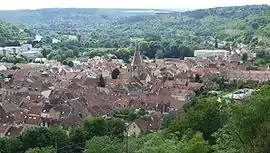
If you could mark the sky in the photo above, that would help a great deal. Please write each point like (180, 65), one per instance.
(173, 4)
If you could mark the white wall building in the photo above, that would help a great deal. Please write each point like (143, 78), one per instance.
(211, 53)
(25, 49)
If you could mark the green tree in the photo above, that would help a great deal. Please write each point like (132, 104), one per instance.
(195, 145)
(101, 82)
(249, 123)
(115, 73)
(216, 43)
(104, 144)
(41, 150)
(159, 54)
(244, 57)
(70, 64)
(95, 127)
(197, 78)
(36, 137)
(46, 51)
(77, 138)
(60, 138)
(205, 116)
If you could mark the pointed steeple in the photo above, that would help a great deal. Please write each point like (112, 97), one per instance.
(137, 61)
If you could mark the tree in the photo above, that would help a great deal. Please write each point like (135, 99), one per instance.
(197, 78)
(104, 144)
(101, 82)
(115, 127)
(60, 138)
(195, 145)
(9, 75)
(159, 54)
(46, 51)
(158, 143)
(249, 129)
(244, 57)
(204, 116)
(115, 73)
(100, 127)
(41, 150)
(36, 137)
(77, 138)
(94, 127)
(70, 63)
(216, 43)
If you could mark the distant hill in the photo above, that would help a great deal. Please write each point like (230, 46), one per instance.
(11, 33)
(243, 24)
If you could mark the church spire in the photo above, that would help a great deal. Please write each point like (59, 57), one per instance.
(137, 61)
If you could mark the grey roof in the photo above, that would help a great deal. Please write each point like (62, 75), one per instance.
(9, 107)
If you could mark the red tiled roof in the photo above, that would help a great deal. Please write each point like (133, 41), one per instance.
(32, 120)
(14, 131)
(148, 123)
(35, 110)
(4, 128)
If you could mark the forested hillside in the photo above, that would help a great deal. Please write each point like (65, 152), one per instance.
(162, 33)
(10, 33)
(242, 24)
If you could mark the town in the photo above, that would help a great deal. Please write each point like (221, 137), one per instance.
(134, 80)
(56, 94)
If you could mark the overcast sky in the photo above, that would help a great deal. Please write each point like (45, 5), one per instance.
(181, 4)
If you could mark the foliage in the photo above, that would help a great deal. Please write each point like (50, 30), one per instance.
(77, 137)
(101, 127)
(156, 143)
(129, 114)
(244, 57)
(41, 150)
(13, 59)
(101, 82)
(115, 73)
(204, 116)
(197, 78)
(104, 144)
(10, 34)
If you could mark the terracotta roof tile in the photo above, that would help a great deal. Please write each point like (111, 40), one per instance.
(14, 131)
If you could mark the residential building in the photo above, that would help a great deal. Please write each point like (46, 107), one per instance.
(211, 53)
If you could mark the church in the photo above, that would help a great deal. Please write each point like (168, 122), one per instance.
(137, 71)
(137, 68)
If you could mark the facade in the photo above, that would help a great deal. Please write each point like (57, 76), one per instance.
(25, 49)
(137, 67)
(211, 53)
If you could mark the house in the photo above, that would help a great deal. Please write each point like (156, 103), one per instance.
(35, 110)
(144, 124)
(210, 53)
(9, 107)
(14, 131)
(4, 117)
(4, 129)
(48, 111)
(241, 94)
(32, 121)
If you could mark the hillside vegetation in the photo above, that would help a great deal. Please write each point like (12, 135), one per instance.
(247, 24)
(163, 34)
(10, 33)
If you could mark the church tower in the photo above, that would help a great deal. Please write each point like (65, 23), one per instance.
(137, 69)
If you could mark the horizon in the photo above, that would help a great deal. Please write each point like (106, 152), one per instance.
(182, 9)
(120, 4)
